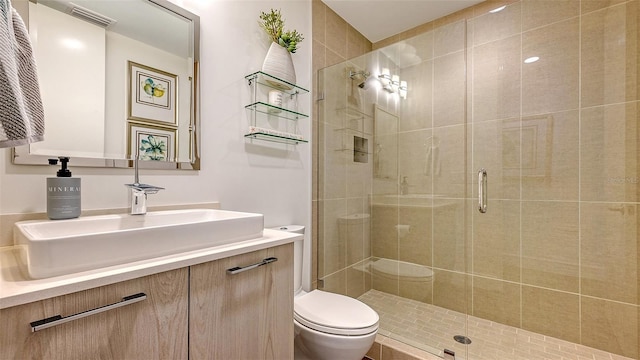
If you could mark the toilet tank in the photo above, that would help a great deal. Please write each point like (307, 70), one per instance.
(354, 231)
(353, 221)
(298, 255)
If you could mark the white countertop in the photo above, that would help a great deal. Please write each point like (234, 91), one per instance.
(16, 288)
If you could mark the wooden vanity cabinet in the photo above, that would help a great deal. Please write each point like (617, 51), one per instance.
(248, 315)
(154, 328)
(198, 312)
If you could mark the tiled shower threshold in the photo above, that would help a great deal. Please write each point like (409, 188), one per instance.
(417, 324)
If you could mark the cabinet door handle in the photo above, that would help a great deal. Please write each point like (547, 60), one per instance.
(239, 269)
(59, 319)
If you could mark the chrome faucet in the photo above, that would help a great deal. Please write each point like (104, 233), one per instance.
(139, 192)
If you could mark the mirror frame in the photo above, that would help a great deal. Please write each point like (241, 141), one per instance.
(21, 156)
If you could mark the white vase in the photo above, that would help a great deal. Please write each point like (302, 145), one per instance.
(278, 63)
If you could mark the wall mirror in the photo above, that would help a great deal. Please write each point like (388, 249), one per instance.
(118, 78)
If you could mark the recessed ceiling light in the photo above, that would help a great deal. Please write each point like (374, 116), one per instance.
(532, 59)
(498, 9)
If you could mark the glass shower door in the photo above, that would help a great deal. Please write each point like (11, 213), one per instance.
(503, 145)
(553, 119)
(419, 268)
(393, 193)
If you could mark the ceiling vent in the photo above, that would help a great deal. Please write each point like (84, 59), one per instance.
(90, 16)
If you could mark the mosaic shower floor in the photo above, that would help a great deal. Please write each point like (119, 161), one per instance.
(417, 324)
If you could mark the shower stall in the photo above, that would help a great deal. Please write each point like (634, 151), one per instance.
(479, 185)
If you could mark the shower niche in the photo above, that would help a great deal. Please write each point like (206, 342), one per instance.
(360, 149)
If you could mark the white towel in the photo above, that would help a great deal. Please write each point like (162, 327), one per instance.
(436, 161)
(260, 130)
(432, 160)
(428, 161)
(21, 113)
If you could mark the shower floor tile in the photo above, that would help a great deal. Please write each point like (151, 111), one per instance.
(432, 328)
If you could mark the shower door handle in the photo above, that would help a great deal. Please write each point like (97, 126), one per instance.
(482, 190)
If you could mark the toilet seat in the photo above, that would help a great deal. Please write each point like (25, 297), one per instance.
(334, 314)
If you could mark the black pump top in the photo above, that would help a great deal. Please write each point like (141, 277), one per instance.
(63, 172)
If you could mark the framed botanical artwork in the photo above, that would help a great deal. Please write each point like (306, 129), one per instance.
(151, 142)
(152, 95)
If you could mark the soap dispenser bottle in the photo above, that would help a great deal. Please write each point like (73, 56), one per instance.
(63, 193)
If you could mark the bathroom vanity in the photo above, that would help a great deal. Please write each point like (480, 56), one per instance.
(247, 315)
(155, 327)
(208, 303)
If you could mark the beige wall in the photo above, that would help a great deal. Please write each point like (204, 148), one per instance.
(558, 251)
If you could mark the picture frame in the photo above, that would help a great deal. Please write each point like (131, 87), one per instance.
(152, 95)
(151, 142)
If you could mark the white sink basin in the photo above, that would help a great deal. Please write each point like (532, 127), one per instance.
(61, 247)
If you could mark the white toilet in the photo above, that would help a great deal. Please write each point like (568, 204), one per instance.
(328, 326)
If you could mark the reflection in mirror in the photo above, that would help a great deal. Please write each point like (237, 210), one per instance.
(117, 78)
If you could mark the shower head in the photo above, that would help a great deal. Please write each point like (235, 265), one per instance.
(361, 76)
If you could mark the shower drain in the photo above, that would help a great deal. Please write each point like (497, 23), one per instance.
(462, 339)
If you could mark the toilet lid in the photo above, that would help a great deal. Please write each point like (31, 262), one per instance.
(334, 314)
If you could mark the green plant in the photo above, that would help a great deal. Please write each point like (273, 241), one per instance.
(273, 25)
